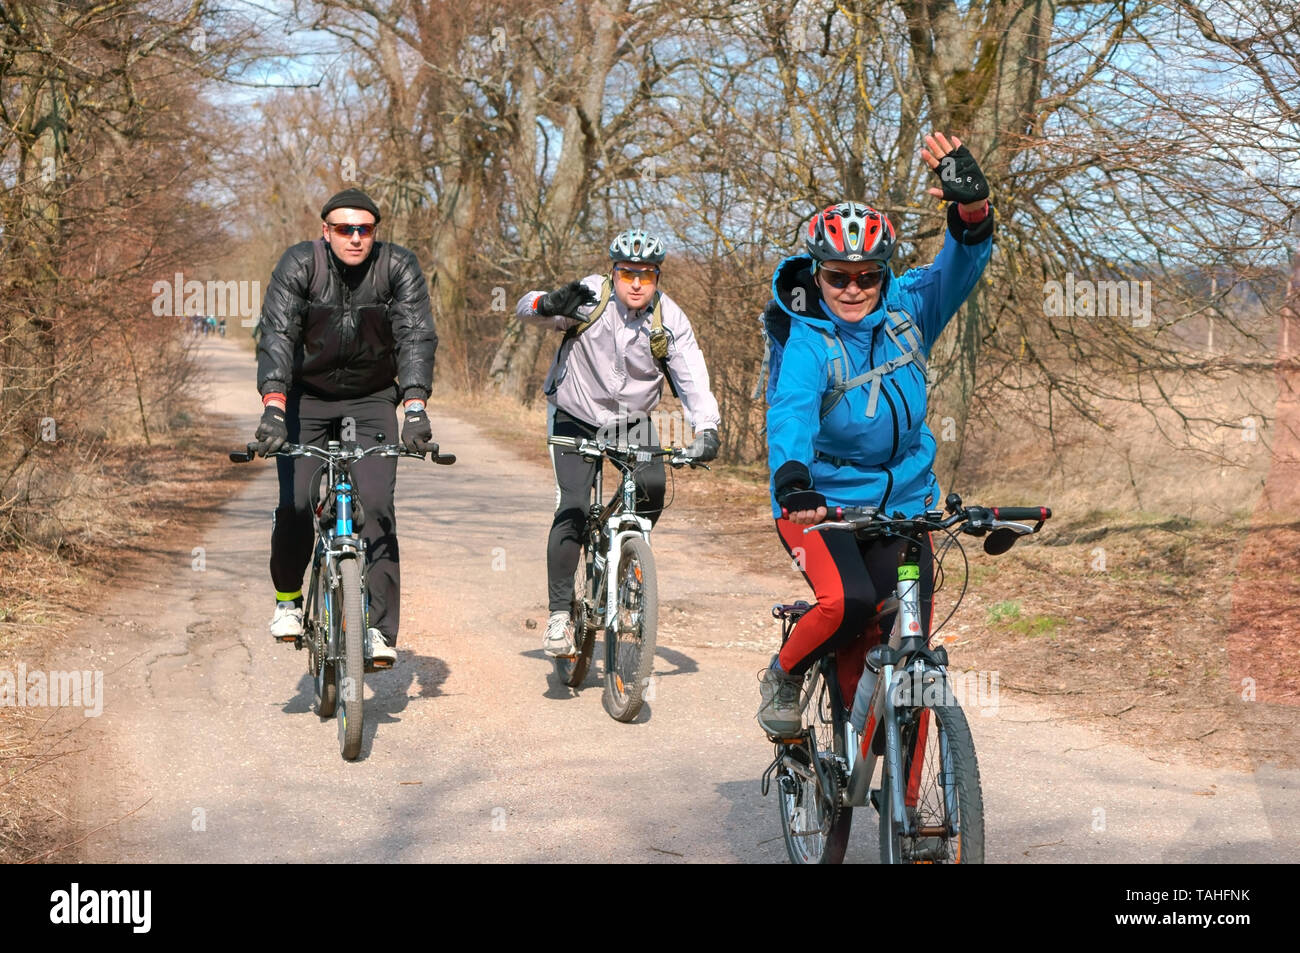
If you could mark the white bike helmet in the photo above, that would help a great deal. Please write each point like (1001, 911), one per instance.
(637, 245)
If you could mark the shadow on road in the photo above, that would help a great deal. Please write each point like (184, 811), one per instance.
(391, 692)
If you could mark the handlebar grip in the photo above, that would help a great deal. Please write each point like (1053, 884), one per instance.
(445, 459)
(1013, 513)
(244, 456)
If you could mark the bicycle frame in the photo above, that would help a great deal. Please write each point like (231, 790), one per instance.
(904, 662)
(336, 543)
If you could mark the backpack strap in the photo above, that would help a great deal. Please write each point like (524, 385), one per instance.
(381, 273)
(659, 341)
(658, 336)
(903, 333)
(606, 290)
(320, 274)
(837, 370)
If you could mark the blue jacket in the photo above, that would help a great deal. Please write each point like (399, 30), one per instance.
(885, 460)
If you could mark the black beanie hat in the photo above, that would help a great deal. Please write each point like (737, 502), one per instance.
(350, 198)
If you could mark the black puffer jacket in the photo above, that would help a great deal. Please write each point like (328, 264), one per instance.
(347, 344)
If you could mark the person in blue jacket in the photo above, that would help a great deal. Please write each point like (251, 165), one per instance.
(846, 416)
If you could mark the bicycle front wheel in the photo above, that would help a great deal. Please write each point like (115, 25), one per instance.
(941, 792)
(352, 661)
(813, 822)
(630, 636)
(572, 670)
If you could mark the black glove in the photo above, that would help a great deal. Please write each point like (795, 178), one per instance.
(417, 432)
(796, 501)
(705, 447)
(565, 300)
(272, 434)
(960, 177)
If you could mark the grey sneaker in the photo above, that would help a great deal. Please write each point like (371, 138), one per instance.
(286, 624)
(558, 640)
(779, 714)
(382, 655)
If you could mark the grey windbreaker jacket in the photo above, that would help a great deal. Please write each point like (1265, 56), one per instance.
(609, 371)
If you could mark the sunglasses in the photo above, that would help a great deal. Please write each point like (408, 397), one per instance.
(365, 231)
(648, 276)
(866, 280)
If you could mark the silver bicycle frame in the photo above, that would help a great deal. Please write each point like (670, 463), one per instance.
(883, 704)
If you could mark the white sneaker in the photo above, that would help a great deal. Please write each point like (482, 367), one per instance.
(558, 640)
(382, 655)
(286, 624)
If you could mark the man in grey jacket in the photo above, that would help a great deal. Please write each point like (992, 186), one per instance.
(609, 372)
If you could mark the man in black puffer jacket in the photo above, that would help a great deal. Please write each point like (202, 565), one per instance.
(340, 351)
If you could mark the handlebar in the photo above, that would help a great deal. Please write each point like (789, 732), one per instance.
(342, 453)
(997, 522)
(595, 449)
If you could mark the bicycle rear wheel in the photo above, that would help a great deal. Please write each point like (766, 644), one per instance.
(813, 822)
(630, 636)
(941, 792)
(572, 670)
(352, 662)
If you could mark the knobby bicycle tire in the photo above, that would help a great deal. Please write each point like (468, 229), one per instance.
(352, 661)
(572, 670)
(942, 838)
(630, 631)
(319, 628)
(814, 825)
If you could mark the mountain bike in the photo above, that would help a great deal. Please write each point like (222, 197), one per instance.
(615, 587)
(904, 714)
(336, 610)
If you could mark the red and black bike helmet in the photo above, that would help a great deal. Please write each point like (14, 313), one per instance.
(850, 231)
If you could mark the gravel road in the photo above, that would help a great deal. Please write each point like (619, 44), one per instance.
(207, 749)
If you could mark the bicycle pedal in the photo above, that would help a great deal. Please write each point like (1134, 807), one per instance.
(288, 638)
(786, 740)
(381, 666)
(875, 798)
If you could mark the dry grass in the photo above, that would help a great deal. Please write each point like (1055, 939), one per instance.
(127, 503)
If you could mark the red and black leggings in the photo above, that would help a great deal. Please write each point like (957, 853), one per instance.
(849, 579)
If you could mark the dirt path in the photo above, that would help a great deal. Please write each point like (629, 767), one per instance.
(473, 753)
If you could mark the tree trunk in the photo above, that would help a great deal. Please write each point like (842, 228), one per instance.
(29, 343)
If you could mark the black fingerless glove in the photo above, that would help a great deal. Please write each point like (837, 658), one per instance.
(565, 300)
(794, 501)
(792, 483)
(272, 433)
(960, 177)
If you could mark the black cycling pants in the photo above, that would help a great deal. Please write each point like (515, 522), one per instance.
(574, 477)
(314, 420)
